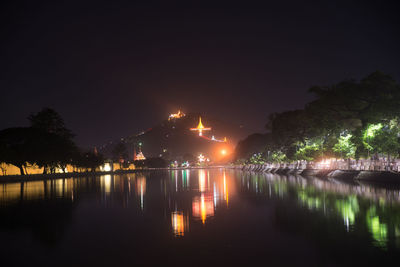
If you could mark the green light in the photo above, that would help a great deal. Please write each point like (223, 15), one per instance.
(372, 129)
(378, 229)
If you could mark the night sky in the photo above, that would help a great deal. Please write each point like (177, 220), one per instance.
(113, 69)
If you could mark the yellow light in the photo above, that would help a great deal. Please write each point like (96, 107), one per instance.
(107, 167)
(179, 223)
(223, 152)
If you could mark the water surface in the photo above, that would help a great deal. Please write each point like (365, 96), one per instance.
(198, 217)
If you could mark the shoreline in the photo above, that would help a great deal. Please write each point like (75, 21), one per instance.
(385, 177)
(52, 176)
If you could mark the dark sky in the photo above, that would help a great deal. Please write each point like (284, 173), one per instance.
(113, 68)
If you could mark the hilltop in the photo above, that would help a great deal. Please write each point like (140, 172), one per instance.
(173, 139)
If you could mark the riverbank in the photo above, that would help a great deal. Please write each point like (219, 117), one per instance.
(344, 175)
(39, 177)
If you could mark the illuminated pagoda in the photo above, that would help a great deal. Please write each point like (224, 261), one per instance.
(176, 115)
(138, 156)
(200, 128)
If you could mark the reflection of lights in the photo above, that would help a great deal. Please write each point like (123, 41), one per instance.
(203, 207)
(378, 229)
(106, 183)
(185, 179)
(141, 189)
(10, 192)
(59, 183)
(202, 180)
(180, 223)
(33, 190)
(226, 193)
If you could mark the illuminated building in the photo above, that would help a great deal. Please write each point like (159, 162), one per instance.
(176, 115)
(200, 128)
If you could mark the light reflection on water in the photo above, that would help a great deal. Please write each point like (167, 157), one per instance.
(187, 199)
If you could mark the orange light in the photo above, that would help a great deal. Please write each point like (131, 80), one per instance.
(223, 152)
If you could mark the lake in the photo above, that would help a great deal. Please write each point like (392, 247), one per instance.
(208, 217)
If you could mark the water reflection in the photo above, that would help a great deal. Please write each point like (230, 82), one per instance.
(203, 207)
(141, 189)
(186, 199)
(180, 223)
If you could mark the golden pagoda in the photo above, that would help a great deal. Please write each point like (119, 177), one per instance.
(200, 128)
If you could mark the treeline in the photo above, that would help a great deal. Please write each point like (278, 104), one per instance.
(350, 119)
(46, 143)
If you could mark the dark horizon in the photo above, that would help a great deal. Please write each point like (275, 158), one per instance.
(113, 70)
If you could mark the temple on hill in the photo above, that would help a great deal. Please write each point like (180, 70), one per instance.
(176, 115)
(200, 128)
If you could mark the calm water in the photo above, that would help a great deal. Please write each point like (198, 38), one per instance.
(198, 217)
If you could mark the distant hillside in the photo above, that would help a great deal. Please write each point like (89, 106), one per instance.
(173, 138)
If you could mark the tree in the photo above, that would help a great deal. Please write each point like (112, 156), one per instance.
(16, 147)
(352, 106)
(120, 153)
(253, 144)
(89, 161)
(50, 121)
(382, 138)
(345, 148)
(54, 147)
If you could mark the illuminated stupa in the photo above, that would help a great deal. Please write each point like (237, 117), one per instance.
(138, 156)
(200, 128)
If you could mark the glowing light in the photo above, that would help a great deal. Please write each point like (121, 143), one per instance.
(201, 158)
(324, 164)
(106, 167)
(223, 152)
(176, 115)
(200, 128)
